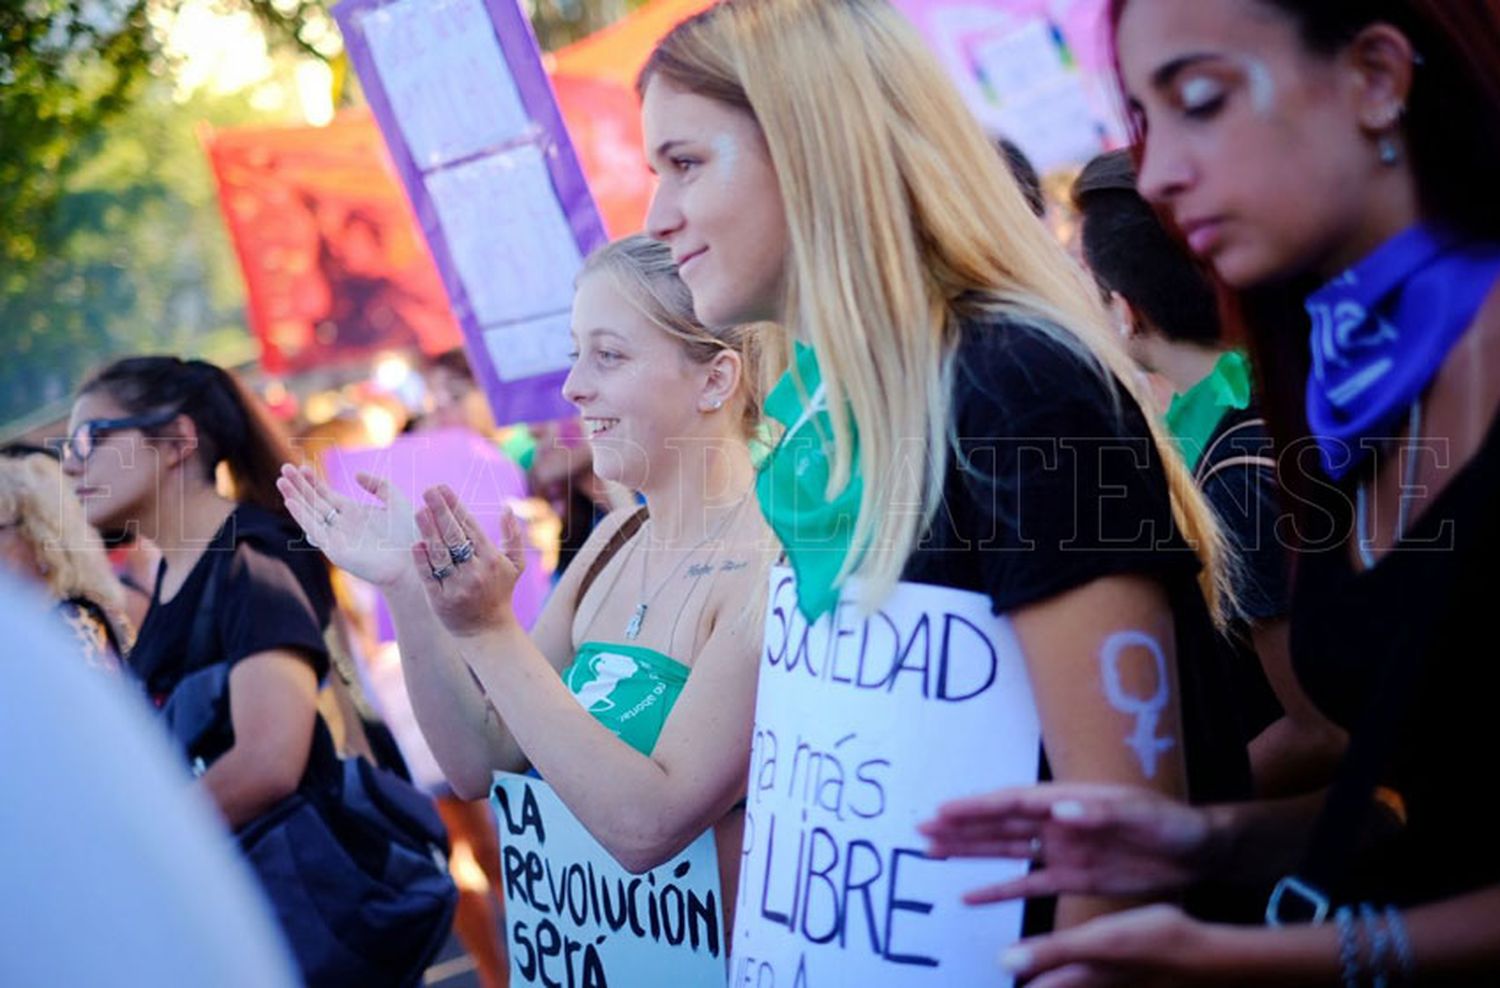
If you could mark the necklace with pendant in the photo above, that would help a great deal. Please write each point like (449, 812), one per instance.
(638, 616)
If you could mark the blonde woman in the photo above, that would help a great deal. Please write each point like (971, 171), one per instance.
(961, 415)
(655, 594)
(45, 539)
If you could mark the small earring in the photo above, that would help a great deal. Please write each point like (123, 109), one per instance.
(716, 404)
(1390, 151)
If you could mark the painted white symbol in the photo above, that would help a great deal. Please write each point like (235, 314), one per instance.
(609, 669)
(1146, 744)
(1339, 330)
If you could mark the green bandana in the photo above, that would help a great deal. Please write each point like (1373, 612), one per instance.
(1196, 413)
(815, 532)
(628, 688)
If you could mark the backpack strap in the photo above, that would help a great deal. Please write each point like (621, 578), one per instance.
(616, 542)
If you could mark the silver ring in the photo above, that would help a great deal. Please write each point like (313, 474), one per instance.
(461, 554)
(441, 573)
(332, 514)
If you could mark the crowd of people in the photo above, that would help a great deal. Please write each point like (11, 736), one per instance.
(838, 345)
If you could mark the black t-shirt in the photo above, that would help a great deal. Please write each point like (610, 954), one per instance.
(275, 594)
(1056, 483)
(1428, 601)
(1237, 474)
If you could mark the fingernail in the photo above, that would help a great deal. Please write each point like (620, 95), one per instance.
(1015, 959)
(1068, 809)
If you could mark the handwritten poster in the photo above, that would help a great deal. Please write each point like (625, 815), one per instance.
(863, 726)
(1036, 71)
(529, 348)
(458, 89)
(446, 76)
(573, 916)
(492, 208)
(1038, 94)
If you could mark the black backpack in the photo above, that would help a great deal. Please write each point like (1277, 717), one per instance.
(354, 863)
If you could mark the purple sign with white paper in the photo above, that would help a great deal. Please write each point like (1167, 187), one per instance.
(460, 94)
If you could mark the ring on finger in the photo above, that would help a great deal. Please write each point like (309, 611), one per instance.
(1034, 848)
(461, 554)
(441, 573)
(332, 514)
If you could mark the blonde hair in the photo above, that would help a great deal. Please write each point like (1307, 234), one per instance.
(903, 223)
(34, 491)
(642, 269)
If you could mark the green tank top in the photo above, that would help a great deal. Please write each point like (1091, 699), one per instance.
(628, 689)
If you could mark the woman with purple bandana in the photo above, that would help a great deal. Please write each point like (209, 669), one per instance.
(1333, 161)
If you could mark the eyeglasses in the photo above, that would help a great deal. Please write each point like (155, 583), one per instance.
(84, 438)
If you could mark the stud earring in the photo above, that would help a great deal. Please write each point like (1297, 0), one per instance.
(716, 404)
(1390, 151)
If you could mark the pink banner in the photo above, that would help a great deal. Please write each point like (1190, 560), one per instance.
(485, 479)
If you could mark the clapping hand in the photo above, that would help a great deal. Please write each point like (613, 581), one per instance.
(372, 540)
(469, 581)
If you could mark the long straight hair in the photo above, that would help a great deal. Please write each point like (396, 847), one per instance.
(903, 223)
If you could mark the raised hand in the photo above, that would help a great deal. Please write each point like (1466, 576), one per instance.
(469, 581)
(372, 540)
(1092, 839)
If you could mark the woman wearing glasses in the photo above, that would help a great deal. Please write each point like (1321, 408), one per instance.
(146, 438)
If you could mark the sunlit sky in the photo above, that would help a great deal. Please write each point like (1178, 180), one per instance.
(225, 52)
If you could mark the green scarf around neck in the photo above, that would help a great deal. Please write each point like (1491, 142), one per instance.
(792, 486)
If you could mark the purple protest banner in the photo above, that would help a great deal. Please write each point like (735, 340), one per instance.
(460, 94)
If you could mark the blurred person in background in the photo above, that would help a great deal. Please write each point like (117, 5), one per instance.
(115, 869)
(1025, 174)
(1168, 315)
(45, 540)
(145, 440)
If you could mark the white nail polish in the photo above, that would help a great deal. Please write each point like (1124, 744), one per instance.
(1067, 809)
(1015, 959)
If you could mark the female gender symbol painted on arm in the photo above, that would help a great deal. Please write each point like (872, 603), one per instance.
(1146, 712)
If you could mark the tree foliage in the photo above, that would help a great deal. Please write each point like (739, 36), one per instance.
(137, 257)
(66, 68)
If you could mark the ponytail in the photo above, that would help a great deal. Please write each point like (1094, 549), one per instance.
(233, 426)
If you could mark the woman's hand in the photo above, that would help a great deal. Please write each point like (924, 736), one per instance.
(469, 581)
(372, 541)
(1094, 839)
(1155, 945)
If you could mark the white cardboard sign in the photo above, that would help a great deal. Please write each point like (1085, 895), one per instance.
(574, 917)
(863, 727)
